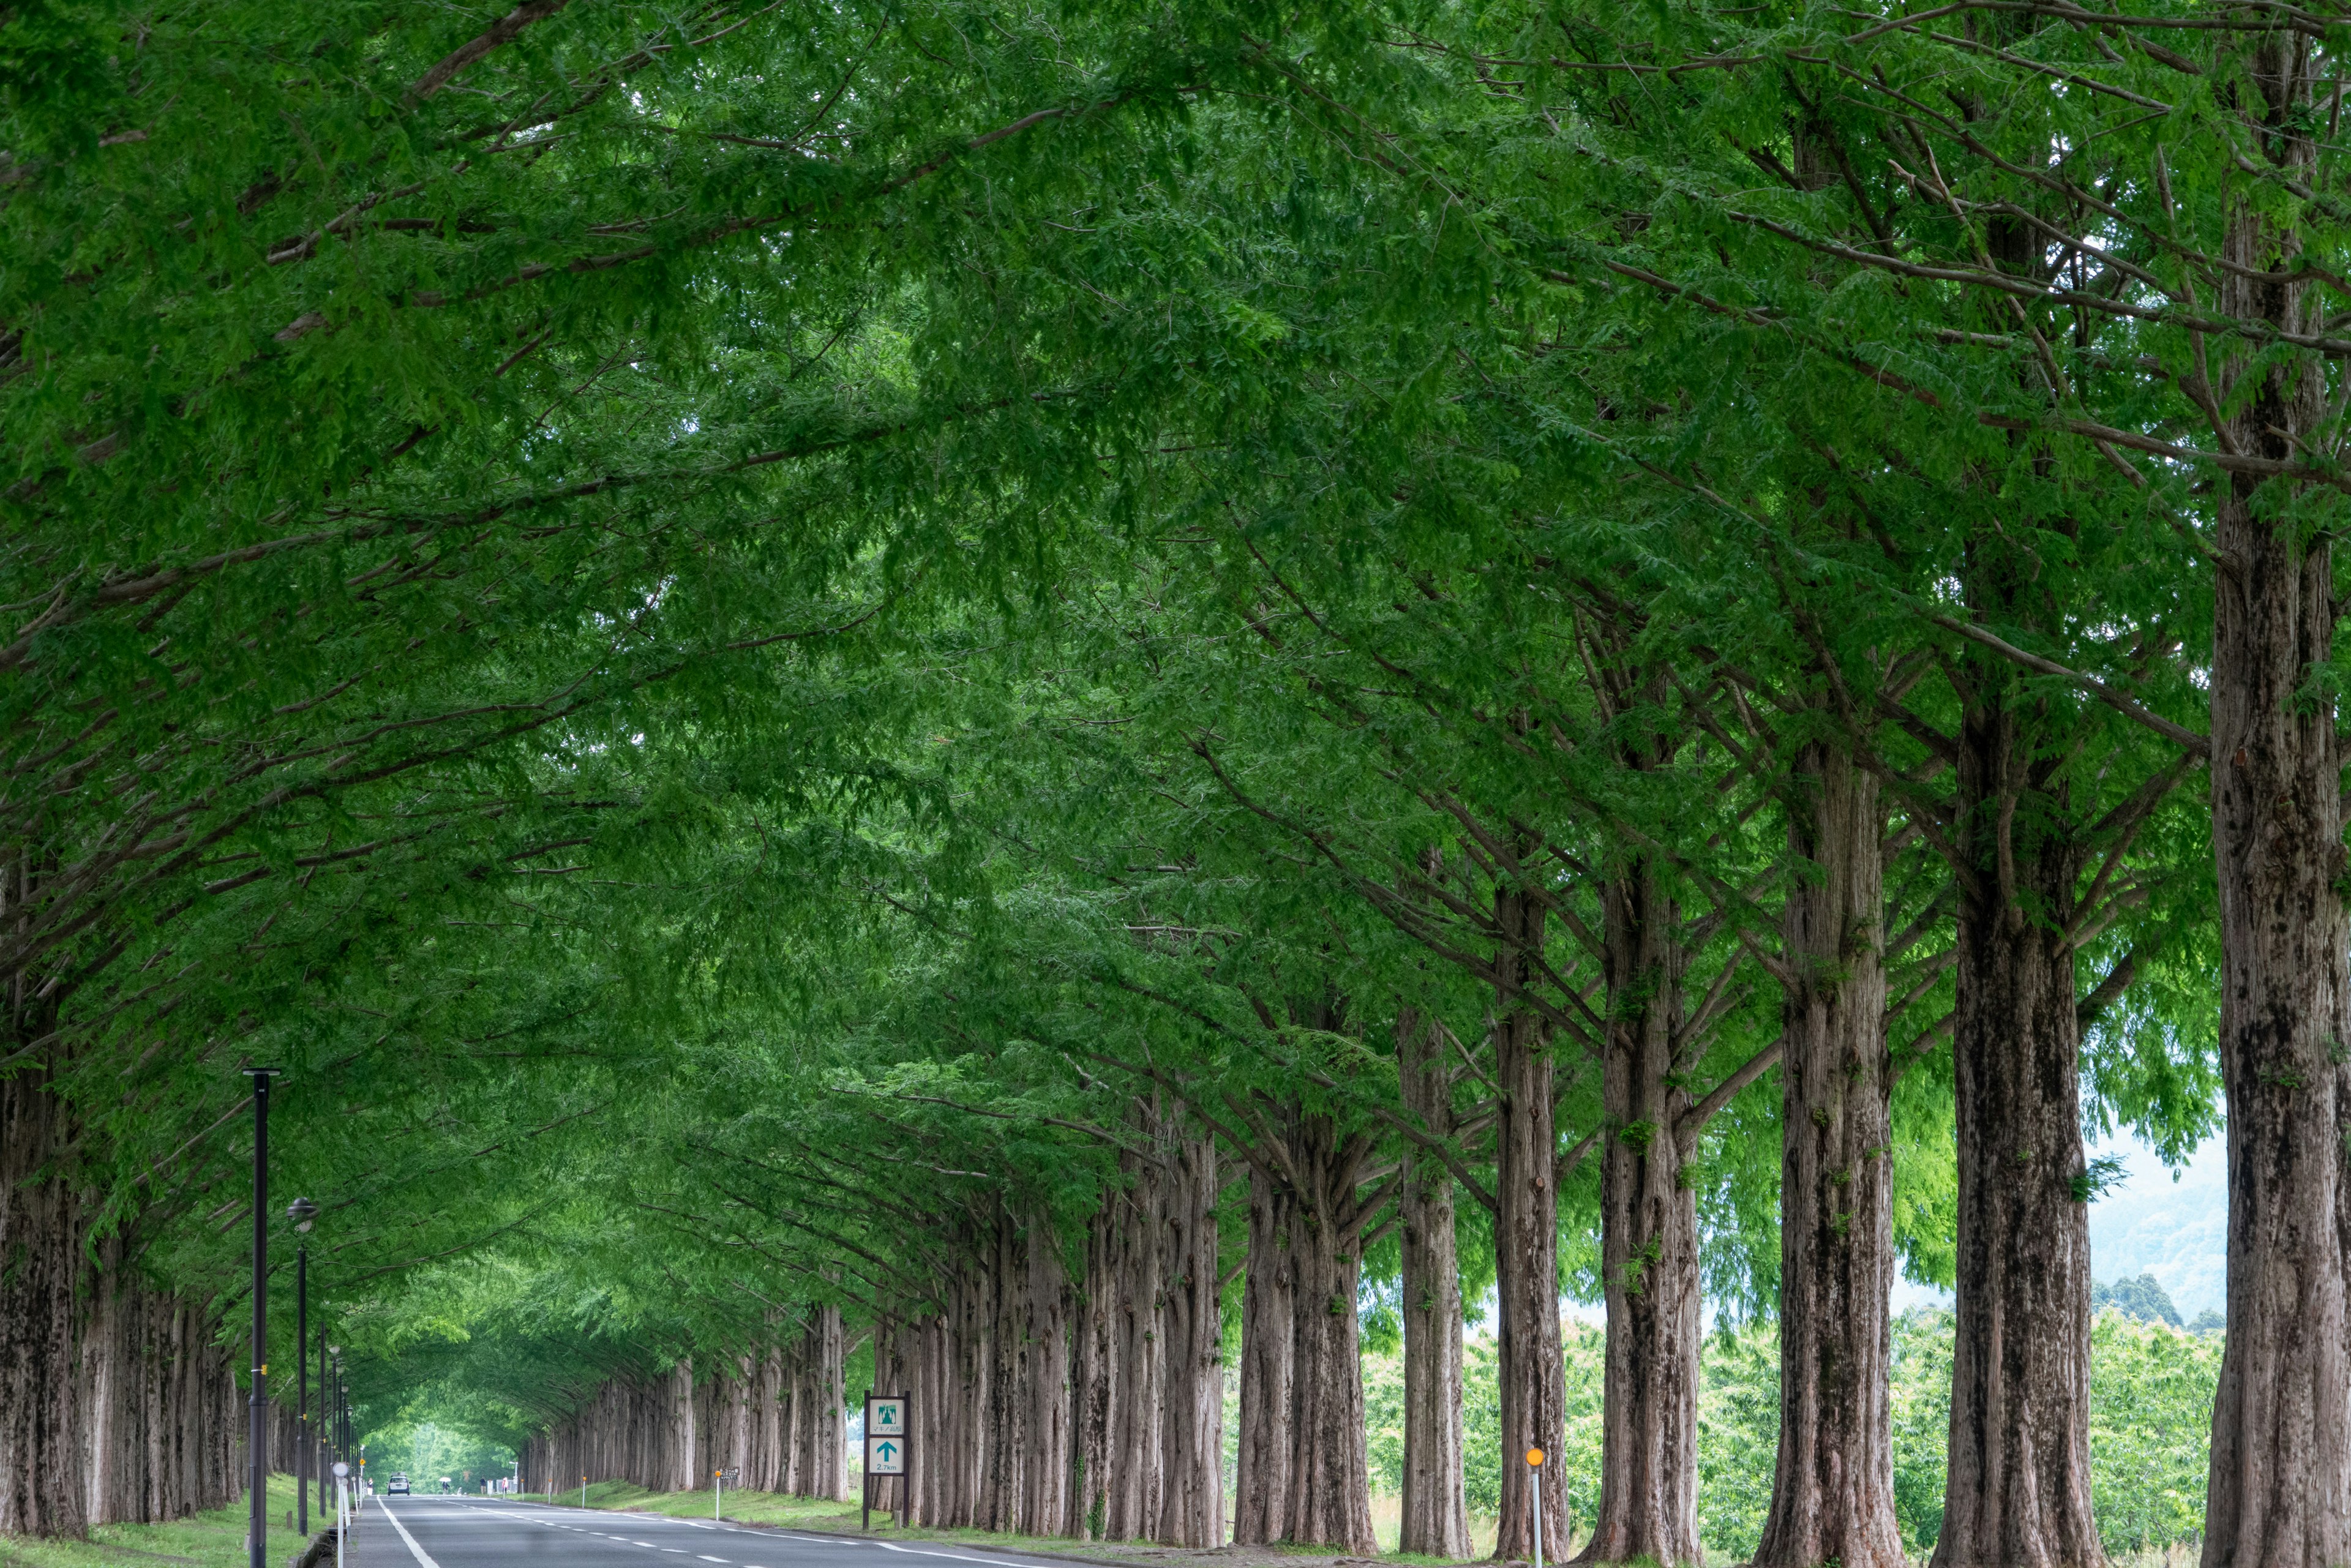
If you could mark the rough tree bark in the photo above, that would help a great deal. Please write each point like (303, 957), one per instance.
(1329, 1487)
(1268, 1307)
(41, 1438)
(1097, 1372)
(1526, 1240)
(2280, 1482)
(2017, 1494)
(1135, 1466)
(1649, 1261)
(1436, 1519)
(1192, 1442)
(1832, 1485)
(1004, 1418)
(1045, 1501)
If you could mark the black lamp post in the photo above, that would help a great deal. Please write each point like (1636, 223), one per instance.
(326, 1434)
(302, 1211)
(256, 1404)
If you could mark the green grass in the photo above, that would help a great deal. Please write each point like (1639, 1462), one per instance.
(214, 1540)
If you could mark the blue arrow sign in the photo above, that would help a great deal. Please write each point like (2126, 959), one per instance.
(888, 1450)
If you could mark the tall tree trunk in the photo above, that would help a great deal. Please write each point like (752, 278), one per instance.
(1097, 1373)
(1005, 1450)
(1832, 1485)
(976, 1361)
(772, 1426)
(685, 1457)
(1526, 1243)
(41, 1438)
(1268, 1366)
(828, 1417)
(2280, 1484)
(1330, 1487)
(1435, 1518)
(1045, 1507)
(2018, 1493)
(1649, 1262)
(1135, 1464)
(1192, 1443)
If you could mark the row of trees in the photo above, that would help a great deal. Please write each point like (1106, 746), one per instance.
(1014, 678)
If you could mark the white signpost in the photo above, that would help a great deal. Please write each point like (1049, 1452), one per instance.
(885, 1447)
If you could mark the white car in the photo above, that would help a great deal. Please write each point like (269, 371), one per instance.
(397, 1484)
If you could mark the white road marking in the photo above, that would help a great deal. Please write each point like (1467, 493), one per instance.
(914, 1550)
(714, 1560)
(419, 1550)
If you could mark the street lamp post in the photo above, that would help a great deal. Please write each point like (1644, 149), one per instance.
(326, 1434)
(256, 1404)
(337, 1428)
(302, 1211)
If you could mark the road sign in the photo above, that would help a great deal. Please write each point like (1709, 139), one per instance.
(886, 1452)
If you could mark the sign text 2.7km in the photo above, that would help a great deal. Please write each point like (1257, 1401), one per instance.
(885, 1435)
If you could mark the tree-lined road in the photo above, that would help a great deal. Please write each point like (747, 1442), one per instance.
(482, 1532)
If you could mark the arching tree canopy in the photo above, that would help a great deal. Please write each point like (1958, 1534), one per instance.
(1068, 700)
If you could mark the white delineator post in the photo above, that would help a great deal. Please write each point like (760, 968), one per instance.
(1535, 1463)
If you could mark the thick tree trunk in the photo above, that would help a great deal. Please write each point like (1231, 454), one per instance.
(2280, 1484)
(1436, 1519)
(41, 1437)
(934, 1422)
(1135, 1464)
(1192, 1441)
(2017, 1494)
(1526, 1246)
(1045, 1505)
(1833, 1486)
(775, 1395)
(1097, 1373)
(1268, 1366)
(685, 1459)
(1649, 1262)
(1329, 1487)
(1007, 1410)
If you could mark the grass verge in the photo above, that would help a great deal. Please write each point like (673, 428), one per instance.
(210, 1539)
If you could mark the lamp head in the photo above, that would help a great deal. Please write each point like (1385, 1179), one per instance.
(301, 1211)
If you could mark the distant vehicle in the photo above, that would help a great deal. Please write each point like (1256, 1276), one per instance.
(397, 1484)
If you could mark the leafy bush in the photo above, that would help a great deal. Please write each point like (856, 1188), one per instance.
(2150, 1414)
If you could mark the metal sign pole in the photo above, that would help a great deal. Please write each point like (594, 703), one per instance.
(1534, 1481)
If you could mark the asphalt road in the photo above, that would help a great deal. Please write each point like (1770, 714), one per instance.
(508, 1532)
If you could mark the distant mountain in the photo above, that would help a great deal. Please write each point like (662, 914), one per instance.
(2150, 1223)
(2174, 1230)
(2142, 1297)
